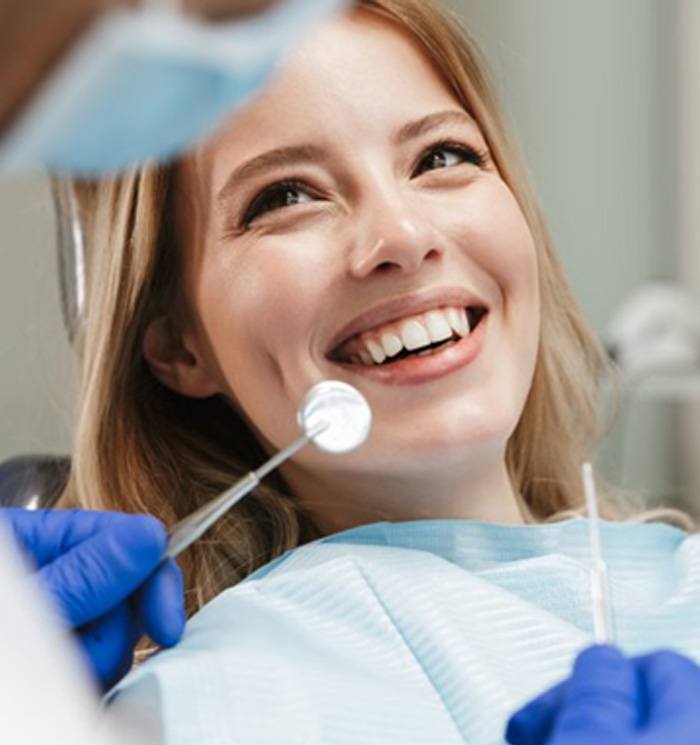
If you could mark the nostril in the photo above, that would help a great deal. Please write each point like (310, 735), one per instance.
(385, 266)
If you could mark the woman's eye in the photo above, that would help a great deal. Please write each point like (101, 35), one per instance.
(447, 156)
(276, 197)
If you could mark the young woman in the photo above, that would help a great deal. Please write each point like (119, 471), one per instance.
(363, 219)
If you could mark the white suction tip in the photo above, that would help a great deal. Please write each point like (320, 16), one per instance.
(344, 410)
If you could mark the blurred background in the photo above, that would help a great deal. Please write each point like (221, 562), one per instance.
(602, 101)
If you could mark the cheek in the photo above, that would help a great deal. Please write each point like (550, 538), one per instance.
(257, 308)
(494, 238)
(514, 265)
(513, 262)
(497, 246)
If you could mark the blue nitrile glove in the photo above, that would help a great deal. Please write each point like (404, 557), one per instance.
(104, 573)
(611, 699)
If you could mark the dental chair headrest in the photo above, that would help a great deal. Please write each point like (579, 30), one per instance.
(33, 481)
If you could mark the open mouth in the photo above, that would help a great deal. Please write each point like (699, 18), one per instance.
(420, 335)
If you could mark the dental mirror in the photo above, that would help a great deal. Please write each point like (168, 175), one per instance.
(345, 411)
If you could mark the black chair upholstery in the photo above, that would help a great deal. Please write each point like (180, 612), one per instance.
(33, 481)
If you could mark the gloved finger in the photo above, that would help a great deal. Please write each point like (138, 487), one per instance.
(532, 725)
(97, 574)
(601, 697)
(109, 644)
(160, 605)
(47, 534)
(672, 690)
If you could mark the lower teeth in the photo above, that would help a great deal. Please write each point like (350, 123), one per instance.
(404, 356)
(428, 352)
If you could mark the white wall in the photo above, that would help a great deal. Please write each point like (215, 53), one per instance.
(35, 361)
(688, 148)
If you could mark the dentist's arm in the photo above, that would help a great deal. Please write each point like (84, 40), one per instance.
(613, 700)
(104, 573)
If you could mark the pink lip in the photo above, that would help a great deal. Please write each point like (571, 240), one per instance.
(417, 370)
(392, 310)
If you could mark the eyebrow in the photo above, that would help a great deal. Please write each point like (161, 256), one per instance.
(296, 154)
(412, 130)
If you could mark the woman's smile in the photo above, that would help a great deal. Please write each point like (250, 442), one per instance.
(414, 339)
(427, 365)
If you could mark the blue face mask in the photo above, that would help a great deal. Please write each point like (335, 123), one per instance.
(147, 84)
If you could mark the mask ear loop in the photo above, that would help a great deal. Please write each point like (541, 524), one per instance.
(70, 246)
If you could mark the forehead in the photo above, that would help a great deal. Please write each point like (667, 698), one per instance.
(355, 77)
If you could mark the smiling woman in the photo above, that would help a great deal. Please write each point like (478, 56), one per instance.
(363, 219)
(398, 208)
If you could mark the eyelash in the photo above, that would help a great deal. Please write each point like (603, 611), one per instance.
(257, 208)
(470, 154)
(254, 210)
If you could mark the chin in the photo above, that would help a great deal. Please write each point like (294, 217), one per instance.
(448, 441)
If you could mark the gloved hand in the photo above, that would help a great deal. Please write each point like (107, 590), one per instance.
(104, 573)
(611, 699)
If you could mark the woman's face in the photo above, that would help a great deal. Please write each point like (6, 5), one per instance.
(349, 224)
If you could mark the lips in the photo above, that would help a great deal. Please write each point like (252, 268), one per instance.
(413, 325)
(427, 366)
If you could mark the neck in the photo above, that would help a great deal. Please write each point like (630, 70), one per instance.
(342, 501)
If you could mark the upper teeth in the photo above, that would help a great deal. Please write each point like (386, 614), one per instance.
(375, 346)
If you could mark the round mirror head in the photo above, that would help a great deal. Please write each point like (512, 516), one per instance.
(343, 409)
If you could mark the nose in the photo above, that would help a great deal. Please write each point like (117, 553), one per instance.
(391, 236)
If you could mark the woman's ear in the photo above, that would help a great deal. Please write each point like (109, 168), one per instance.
(176, 362)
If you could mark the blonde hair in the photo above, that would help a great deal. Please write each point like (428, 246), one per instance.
(139, 447)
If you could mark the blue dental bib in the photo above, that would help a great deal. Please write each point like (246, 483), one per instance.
(429, 632)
